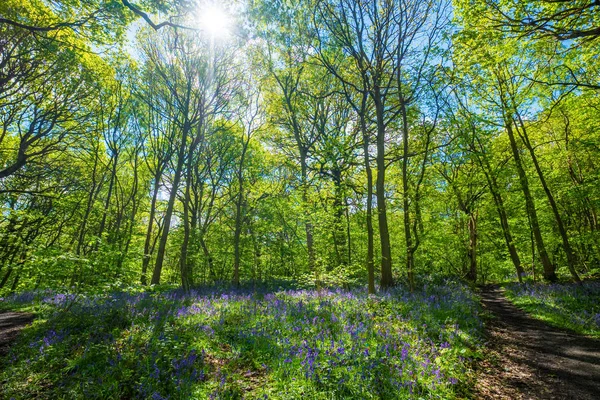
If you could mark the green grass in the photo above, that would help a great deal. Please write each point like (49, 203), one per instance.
(242, 344)
(569, 306)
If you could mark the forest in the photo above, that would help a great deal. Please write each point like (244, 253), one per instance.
(293, 198)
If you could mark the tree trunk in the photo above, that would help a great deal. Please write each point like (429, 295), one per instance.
(237, 233)
(134, 211)
(148, 242)
(162, 245)
(369, 172)
(387, 280)
(111, 184)
(339, 234)
(549, 270)
(92, 195)
(185, 270)
(501, 210)
(307, 224)
(239, 214)
(571, 260)
(257, 270)
(406, 199)
(510, 243)
(472, 224)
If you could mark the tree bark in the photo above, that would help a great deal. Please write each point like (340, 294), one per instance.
(472, 224)
(387, 280)
(239, 217)
(162, 245)
(111, 184)
(184, 267)
(369, 217)
(148, 242)
(549, 269)
(406, 199)
(501, 210)
(571, 259)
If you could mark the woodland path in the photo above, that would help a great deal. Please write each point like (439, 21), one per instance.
(528, 359)
(10, 325)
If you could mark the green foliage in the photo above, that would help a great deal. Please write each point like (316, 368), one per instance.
(103, 136)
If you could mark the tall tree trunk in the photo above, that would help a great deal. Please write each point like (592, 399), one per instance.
(237, 233)
(406, 198)
(387, 279)
(22, 261)
(239, 214)
(133, 215)
(162, 245)
(6, 276)
(472, 224)
(339, 234)
(549, 269)
(369, 217)
(111, 184)
(148, 242)
(348, 230)
(92, 195)
(307, 223)
(186, 278)
(257, 270)
(501, 210)
(571, 260)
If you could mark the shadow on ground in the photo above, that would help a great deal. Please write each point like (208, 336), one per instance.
(10, 325)
(528, 359)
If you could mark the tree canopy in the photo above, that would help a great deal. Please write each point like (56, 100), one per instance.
(329, 142)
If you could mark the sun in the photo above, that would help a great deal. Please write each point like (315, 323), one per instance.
(215, 22)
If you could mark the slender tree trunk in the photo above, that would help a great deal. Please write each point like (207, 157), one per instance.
(348, 230)
(501, 210)
(339, 234)
(307, 223)
(148, 242)
(6, 245)
(406, 199)
(186, 278)
(6, 276)
(111, 184)
(257, 271)
(89, 205)
(239, 214)
(22, 261)
(369, 217)
(532, 241)
(237, 233)
(472, 224)
(571, 259)
(92, 195)
(132, 219)
(387, 279)
(549, 269)
(162, 245)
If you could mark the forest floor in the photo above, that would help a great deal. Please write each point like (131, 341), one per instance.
(524, 357)
(11, 324)
(528, 359)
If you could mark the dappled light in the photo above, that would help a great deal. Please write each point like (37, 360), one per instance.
(300, 199)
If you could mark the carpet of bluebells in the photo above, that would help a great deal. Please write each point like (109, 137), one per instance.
(572, 306)
(234, 344)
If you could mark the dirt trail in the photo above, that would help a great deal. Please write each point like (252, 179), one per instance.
(528, 359)
(10, 325)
